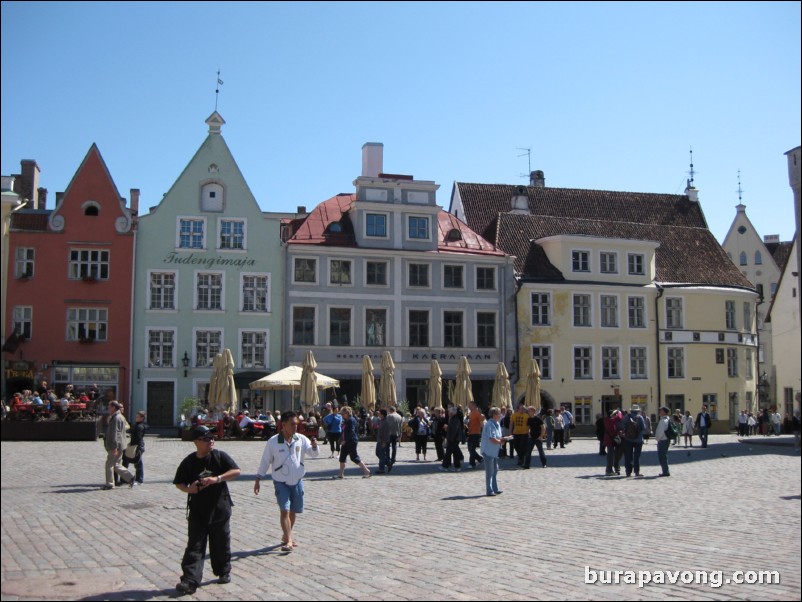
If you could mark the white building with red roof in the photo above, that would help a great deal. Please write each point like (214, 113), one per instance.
(386, 268)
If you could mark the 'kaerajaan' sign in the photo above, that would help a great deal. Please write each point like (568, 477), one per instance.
(208, 262)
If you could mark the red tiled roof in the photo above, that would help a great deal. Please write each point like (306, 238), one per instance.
(315, 229)
(30, 221)
(483, 202)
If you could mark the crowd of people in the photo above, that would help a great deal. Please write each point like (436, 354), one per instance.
(43, 403)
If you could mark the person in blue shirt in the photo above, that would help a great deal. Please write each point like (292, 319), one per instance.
(491, 446)
(334, 430)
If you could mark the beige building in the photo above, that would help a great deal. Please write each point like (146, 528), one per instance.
(623, 298)
(761, 261)
(786, 339)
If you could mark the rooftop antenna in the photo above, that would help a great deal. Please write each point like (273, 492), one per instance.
(740, 190)
(528, 154)
(692, 172)
(217, 89)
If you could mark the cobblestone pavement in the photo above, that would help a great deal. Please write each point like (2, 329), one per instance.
(414, 534)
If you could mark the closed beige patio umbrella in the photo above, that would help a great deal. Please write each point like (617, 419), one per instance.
(387, 393)
(435, 385)
(502, 395)
(532, 395)
(368, 394)
(309, 394)
(230, 399)
(463, 395)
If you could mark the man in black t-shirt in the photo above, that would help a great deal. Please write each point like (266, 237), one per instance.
(202, 475)
(536, 428)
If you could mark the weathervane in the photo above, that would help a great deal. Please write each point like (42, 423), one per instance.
(692, 172)
(217, 89)
(740, 190)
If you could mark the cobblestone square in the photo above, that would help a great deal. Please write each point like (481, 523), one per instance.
(415, 534)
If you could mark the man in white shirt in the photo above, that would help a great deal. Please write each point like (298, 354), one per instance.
(285, 452)
(246, 424)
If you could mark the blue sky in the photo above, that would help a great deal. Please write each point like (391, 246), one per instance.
(607, 95)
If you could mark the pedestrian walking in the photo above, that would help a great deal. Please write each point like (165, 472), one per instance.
(202, 475)
(114, 442)
(455, 429)
(137, 438)
(349, 445)
(662, 434)
(490, 445)
(537, 430)
(285, 453)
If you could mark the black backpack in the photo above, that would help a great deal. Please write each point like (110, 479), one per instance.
(632, 429)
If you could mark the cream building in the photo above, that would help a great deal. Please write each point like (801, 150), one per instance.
(623, 298)
(786, 339)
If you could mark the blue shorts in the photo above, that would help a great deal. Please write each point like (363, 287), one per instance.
(290, 497)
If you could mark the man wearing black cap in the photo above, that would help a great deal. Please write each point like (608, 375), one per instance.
(203, 476)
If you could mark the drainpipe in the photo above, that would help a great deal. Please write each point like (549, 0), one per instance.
(517, 337)
(660, 291)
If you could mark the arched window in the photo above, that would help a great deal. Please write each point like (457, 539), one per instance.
(212, 197)
(743, 258)
(91, 210)
(758, 258)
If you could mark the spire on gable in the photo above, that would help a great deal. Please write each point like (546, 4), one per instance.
(215, 122)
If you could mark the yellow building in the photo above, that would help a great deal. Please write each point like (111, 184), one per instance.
(623, 298)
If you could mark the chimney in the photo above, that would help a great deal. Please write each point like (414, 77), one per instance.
(520, 201)
(372, 159)
(537, 179)
(29, 186)
(692, 192)
(59, 197)
(135, 201)
(42, 192)
(771, 238)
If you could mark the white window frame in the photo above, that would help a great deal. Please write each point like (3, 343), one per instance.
(386, 217)
(617, 312)
(617, 359)
(607, 255)
(212, 353)
(101, 311)
(212, 186)
(464, 274)
(295, 259)
(23, 315)
(670, 359)
(637, 375)
(407, 231)
(428, 271)
(315, 322)
(476, 278)
(351, 324)
(670, 310)
(463, 342)
(240, 338)
(386, 311)
(91, 267)
(546, 372)
(24, 262)
(636, 258)
(173, 356)
(730, 315)
(386, 273)
(589, 310)
(342, 260)
(589, 361)
(732, 362)
(547, 322)
(232, 220)
(495, 327)
(643, 311)
(190, 218)
(579, 254)
(268, 292)
(149, 291)
(429, 327)
(196, 300)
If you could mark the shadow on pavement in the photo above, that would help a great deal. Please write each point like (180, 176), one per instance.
(136, 594)
(462, 497)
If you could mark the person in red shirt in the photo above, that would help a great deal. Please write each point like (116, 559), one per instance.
(476, 421)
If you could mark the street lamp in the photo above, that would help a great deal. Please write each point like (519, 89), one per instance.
(185, 363)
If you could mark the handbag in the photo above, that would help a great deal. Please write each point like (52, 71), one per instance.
(131, 452)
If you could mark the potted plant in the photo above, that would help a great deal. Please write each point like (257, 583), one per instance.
(187, 408)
